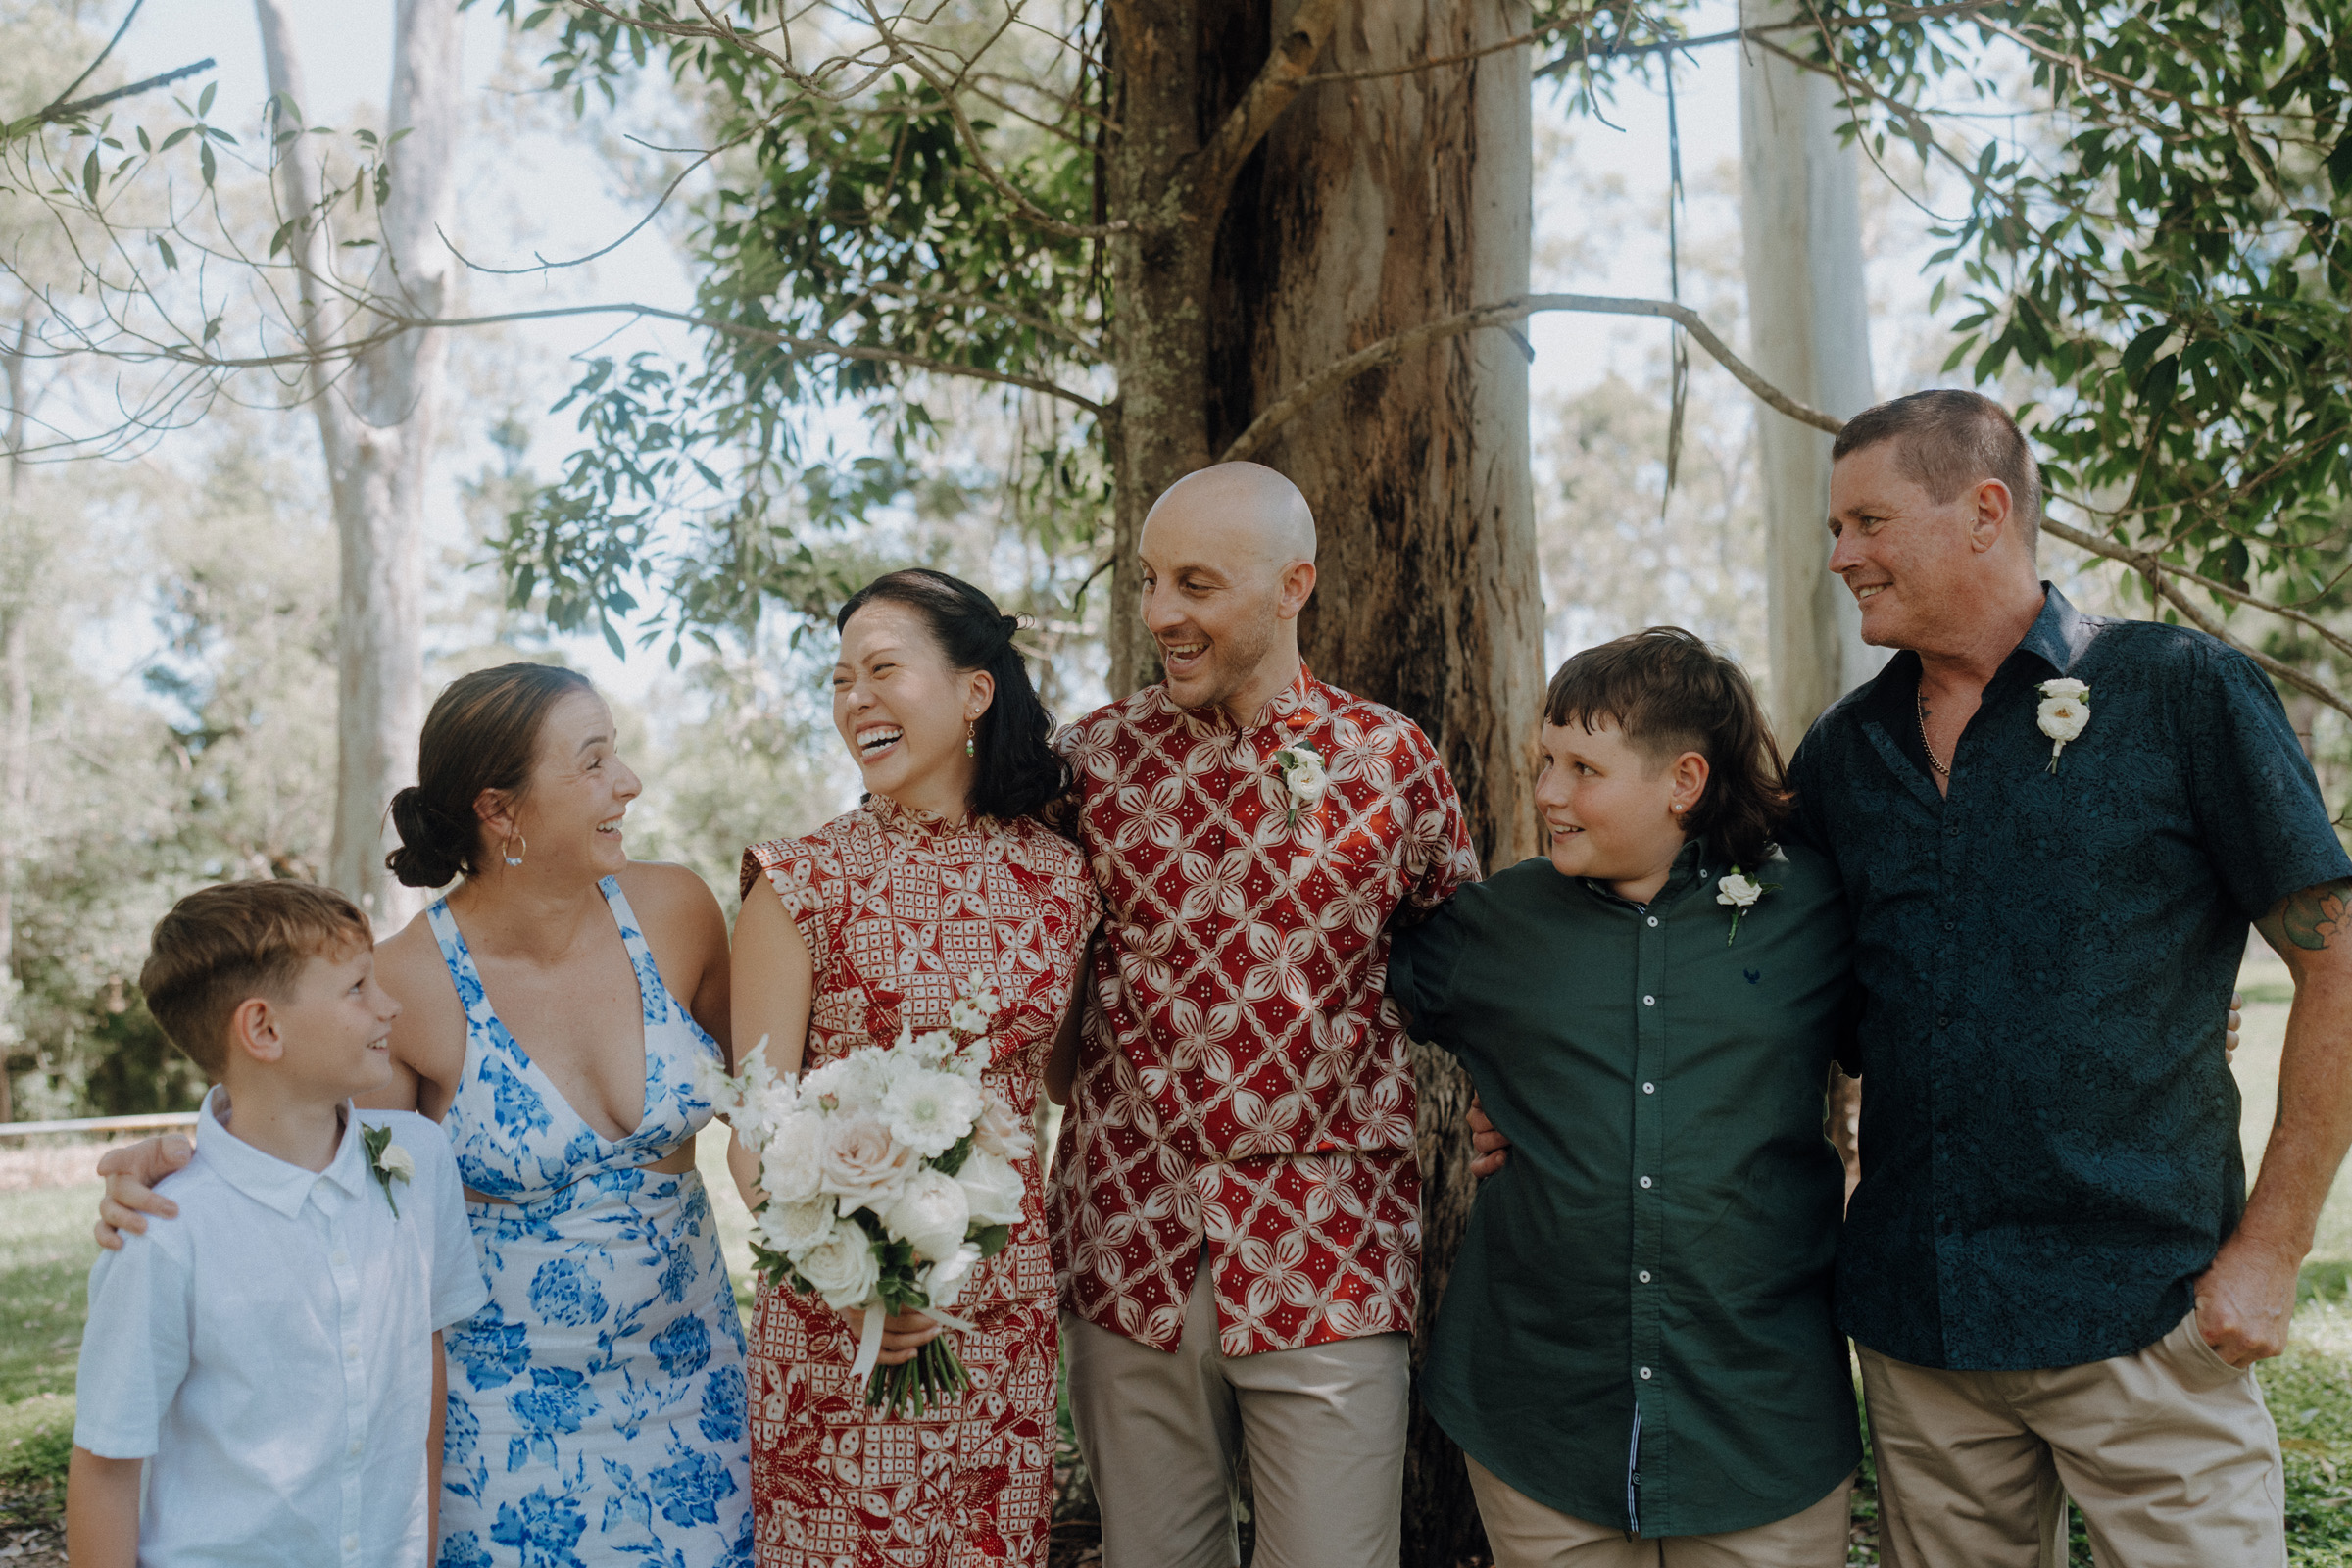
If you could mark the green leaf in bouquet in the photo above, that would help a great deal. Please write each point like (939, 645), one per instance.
(991, 1238)
(949, 1163)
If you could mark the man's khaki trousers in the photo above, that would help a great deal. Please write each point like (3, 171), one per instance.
(1325, 1433)
(1525, 1534)
(2169, 1452)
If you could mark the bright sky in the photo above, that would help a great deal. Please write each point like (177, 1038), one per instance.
(552, 193)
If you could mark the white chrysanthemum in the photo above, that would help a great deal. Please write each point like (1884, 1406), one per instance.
(947, 1280)
(992, 1189)
(841, 1268)
(931, 1216)
(928, 1112)
(794, 1228)
(793, 1162)
(850, 1082)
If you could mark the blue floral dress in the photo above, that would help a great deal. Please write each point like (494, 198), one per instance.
(596, 1405)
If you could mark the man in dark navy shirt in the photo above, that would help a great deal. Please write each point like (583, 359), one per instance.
(2054, 829)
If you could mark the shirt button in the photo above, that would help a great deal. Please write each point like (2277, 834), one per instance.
(1645, 1374)
(1653, 919)
(355, 1447)
(1649, 1001)
(1645, 1181)
(1646, 1276)
(340, 1258)
(351, 1544)
(1649, 1089)
(351, 1351)
(1944, 1023)
(1951, 832)
(1951, 925)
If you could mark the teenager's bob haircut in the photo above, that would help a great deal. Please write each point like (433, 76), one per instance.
(1669, 693)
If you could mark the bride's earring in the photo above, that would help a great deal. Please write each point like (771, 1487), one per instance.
(968, 725)
(513, 840)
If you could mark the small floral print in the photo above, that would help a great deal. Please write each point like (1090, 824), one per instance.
(563, 1293)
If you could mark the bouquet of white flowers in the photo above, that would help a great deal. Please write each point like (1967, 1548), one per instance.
(888, 1173)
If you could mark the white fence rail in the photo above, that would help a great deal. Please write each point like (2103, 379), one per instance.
(158, 1122)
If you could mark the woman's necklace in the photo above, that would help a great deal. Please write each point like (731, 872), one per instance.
(1919, 695)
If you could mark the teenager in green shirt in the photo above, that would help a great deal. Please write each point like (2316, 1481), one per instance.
(1636, 1347)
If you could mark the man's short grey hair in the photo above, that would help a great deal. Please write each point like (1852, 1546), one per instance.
(1948, 440)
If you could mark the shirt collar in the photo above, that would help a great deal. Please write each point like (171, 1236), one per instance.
(1688, 867)
(1296, 706)
(266, 1179)
(2059, 634)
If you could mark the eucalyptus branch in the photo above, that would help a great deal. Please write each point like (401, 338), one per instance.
(1279, 80)
(1387, 350)
(973, 302)
(2149, 564)
(2160, 581)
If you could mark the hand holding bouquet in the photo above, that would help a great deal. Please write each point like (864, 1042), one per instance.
(890, 1173)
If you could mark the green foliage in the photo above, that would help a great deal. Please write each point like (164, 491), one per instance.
(2160, 244)
(864, 227)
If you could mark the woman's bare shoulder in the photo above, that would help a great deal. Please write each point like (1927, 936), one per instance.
(429, 1035)
(674, 905)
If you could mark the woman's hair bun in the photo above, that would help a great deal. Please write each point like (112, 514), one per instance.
(482, 734)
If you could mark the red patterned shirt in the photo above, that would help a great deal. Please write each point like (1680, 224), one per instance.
(1243, 1081)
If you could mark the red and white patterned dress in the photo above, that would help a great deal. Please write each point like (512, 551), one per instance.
(896, 908)
(1241, 1080)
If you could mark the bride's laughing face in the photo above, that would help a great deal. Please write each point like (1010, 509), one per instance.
(904, 712)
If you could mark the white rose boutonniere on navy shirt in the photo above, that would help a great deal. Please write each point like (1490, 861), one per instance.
(2064, 714)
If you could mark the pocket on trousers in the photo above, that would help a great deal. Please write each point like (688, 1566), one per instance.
(2197, 1364)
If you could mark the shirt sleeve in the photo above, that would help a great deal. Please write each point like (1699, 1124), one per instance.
(1422, 960)
(135, 1346)
(1806, 823)
(2259, 811)
(458, 1290)
(1440, 855)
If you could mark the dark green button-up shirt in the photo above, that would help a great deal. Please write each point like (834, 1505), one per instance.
(1637, 1330)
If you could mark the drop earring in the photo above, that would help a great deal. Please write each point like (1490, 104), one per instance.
(968, 725)
(513, 839)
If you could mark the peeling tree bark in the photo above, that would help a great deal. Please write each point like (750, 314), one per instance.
(375, 412)
(1809, 335)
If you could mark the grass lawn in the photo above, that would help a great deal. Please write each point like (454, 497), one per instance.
(45, 1254)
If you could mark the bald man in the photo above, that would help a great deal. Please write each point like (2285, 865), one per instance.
(1236, 1200)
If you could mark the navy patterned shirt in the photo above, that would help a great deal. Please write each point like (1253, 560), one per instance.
(2049, 1130)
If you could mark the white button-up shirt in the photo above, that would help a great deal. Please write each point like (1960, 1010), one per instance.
(271, 1352)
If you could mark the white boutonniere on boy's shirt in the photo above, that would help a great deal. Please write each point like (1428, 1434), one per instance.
(1741, 891)
(2064, 714)
(387, 1163)
(1302, 779)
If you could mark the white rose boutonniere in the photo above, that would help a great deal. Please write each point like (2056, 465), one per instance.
(2064, 714)
(1741, 891)
(387, 1163)
(1303, 778)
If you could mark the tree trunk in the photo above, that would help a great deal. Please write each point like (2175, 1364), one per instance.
(1809, 335)
(20, 552)
(1377, 206)
(375, 426)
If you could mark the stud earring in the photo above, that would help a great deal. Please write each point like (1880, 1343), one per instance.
(968, 725)
(513, 839)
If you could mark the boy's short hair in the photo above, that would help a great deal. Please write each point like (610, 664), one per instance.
(1668, 692)
(225, 944)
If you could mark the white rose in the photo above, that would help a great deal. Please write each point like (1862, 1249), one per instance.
(992, 1189)
(948, 1278)
(1306, 780)
(2063, 718)
(395, 1163)
(928, 1112)
(1738, 890)
(794, 1228)
(792, 1163)
(842, 1268)
(863, 1165)
(930, 1215)
(1001, 1130)
(2067, 686)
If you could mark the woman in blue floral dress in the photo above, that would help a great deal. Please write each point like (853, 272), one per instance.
(556, 1008)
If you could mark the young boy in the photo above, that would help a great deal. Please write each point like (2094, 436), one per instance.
(1636, 1347)
(273, 1354)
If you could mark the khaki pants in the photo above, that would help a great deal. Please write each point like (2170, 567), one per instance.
(1324, 1426)
(2168, 1452)
(1524, 1534)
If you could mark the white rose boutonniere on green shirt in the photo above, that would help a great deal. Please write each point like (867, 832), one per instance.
(2064, 714)
(1741, 891)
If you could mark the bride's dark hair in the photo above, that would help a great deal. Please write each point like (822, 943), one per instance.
(1012, 742)
(1669, 693)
